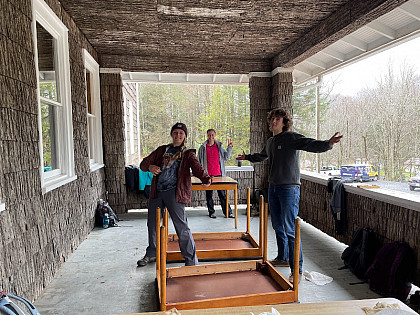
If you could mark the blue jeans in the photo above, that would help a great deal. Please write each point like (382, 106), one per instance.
(284, 207)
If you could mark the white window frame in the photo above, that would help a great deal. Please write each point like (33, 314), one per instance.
(125, 126)
(96, 157)
(43, 15)
(131, 125)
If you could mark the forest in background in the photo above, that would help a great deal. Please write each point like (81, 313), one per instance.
(380, 124)
(200, 107)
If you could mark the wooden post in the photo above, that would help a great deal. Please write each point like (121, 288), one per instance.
(235, 194)
(157, 243)
(163, 236)
(248, 210)
(261, 223)
(227, 204)
(166, 216)
(265, 233)
(296, 260)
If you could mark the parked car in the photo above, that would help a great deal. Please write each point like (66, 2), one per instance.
(359, 172)
(414, 182)
(330, 170)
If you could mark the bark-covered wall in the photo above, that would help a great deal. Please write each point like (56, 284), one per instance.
(38, 232)
(114, 139)
(389, 221)
(260, 103)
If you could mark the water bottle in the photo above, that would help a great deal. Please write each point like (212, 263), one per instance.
(105, 223)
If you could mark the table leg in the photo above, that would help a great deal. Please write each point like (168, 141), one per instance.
(227, 203)
(236, 207)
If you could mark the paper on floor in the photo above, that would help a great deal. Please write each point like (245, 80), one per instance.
(317, 278)
(273, 312)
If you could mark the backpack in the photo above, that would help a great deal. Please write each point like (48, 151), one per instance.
(361, 252)
(11, 304)
(102, 208)
(393, 270)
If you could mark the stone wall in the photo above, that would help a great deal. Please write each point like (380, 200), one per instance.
(390, 221)
(38, 232)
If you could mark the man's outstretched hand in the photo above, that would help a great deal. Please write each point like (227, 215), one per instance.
(335, 139)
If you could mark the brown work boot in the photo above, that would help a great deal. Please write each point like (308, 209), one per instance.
(145, 260)
(279, 263)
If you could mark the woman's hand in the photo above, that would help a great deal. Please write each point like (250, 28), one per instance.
(208, 183)
(155, 170)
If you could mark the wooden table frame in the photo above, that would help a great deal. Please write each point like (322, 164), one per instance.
(255, 252)
(220, 183)
(287, 294)
(349, 307)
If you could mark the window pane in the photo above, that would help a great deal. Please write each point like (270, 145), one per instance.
(47, 62)
(49, 138)
(89, 91)
(91, 137)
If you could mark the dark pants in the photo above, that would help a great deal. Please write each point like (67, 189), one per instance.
(222, 197)
(179, 219)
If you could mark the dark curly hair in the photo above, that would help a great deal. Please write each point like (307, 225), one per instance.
(280, 112)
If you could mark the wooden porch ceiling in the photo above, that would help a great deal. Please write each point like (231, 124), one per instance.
(217, 36)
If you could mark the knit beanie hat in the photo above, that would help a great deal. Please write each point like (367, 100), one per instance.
(180, 126)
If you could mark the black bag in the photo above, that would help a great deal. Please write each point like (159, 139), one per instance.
(361, 251)
(102, 208)
(393, 270)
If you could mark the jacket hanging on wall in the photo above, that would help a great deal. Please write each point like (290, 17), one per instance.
(132, 177)
(338, 204)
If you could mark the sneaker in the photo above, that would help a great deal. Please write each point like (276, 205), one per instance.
(213, 216)
(145, 260)
(279, 263)
(231, 216)
(254, 212)
(291, 278)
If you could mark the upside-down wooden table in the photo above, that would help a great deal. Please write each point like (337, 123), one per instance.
(254, 282)
(220, 183)
(221, 245)
(350, 307)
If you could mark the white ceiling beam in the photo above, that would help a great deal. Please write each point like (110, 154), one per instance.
(303, 69)
(316, 62)
(355, 42)
(333, 54)
(410, 9)
(382, 29)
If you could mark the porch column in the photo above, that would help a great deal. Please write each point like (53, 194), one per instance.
(282, 89)
(113, 137)
(267, 90)
(260, 105)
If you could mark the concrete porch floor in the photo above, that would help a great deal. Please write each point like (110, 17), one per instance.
(101, 276)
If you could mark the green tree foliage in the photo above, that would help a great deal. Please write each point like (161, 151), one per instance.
(200, 107)
(304, 122)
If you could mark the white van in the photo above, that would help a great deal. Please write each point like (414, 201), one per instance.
(330, 170)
